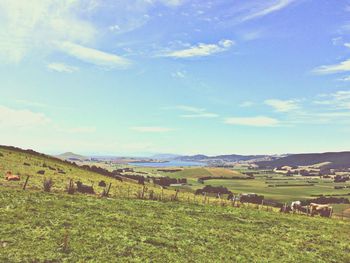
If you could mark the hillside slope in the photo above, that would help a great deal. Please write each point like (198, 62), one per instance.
(335, 160)
(41, 227)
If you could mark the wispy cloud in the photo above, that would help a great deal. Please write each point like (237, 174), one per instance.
(337, 100)
(151, 129)
(61, 67)
(194, 112)
(283, 105)
(21, 118)
(27, 26)
(246, 104)
(347, 78)
(201, 50)
(336, 68)
(258, 121)
(266, 9)
(77, 130)
(94, 56)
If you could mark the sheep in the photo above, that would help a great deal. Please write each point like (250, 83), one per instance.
(84, 188)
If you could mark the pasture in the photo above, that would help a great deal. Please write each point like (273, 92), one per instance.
(51, 227)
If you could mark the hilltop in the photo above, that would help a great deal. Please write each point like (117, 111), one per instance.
(72, 157)
(331, 160)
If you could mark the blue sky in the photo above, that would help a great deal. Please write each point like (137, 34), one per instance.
(176, 76)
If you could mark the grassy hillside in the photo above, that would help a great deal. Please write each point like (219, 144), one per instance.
(38, 227)
(25, 163)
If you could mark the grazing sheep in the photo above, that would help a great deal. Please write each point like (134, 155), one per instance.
(84, 188)
(11, 177)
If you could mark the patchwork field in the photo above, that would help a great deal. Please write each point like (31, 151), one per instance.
(273, 186)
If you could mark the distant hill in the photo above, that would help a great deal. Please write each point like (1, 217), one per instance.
(332, 160)
(165, 156)
(224, 158)
(72, 157)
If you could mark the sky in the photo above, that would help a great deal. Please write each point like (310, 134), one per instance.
(137, 77)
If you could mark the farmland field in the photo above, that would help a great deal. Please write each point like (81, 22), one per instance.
(273, 186)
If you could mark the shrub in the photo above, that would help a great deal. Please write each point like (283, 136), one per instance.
(48, 183)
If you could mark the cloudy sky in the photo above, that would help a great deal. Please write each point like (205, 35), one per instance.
(176, 76)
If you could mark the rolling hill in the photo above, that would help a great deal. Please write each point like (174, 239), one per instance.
(231, 158)
(69, 156)
(332, 160)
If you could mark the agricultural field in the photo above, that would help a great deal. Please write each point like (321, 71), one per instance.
(56, 227)
(272, 186)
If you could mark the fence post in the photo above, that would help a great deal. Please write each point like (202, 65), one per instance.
(109, 188)
(25, 183)
(177, 191)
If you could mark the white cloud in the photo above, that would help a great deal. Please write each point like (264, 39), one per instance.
(179, 74)
(258, 121)
(172, 2)
(194, 112)
(93, 56)
(151, 129)
(27, 26)
(190, 108)
(263, 9)
(200, 115)
(347, 78)
(79, 130)
(13, 118)
(114, 28)
(283, 105)
(201, 50)
(338, 100)
(336, 68)
(246, 104)
(61, 67)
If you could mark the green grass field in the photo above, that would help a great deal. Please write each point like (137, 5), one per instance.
(50, 227)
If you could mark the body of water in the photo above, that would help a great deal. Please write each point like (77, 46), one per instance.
(172, 163)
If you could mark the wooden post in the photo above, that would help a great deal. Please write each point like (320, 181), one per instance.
(176, 192)
(109, 188)
(162, 195)
(25, 183)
